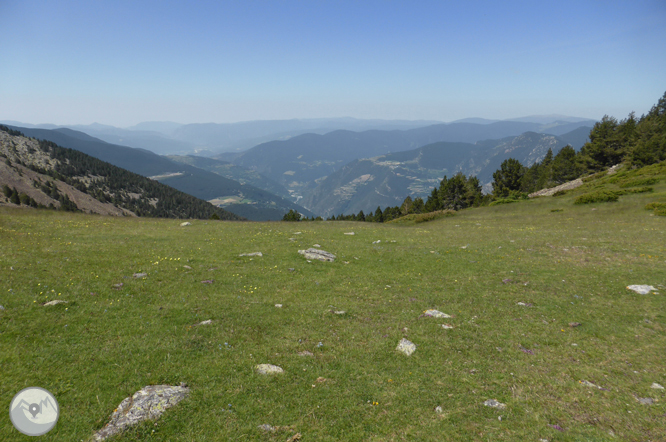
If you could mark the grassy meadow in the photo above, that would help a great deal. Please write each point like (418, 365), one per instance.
(567, 262)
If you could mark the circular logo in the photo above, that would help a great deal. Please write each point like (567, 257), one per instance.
(34, 411)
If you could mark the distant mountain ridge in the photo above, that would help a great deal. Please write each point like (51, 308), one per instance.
(386, 180)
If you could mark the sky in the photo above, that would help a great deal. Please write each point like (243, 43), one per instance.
(123, 62)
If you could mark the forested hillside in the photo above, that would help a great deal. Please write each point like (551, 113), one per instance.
(43, 174)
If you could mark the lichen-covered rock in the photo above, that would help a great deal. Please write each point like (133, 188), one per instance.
(148, 403)
(642, 289)
(436, 314)
(268, 369)
(494, 404)
(321, 255)
(406, 347)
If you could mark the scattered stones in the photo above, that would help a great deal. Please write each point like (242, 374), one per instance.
(206, 322)
(252, 254)
(493, 403)
(641, 289)
(575, 324)
(447, 326)
(140, 275)
(278, 305)
(267, 428)
(186, 223)
(406, 347)
(646, 400)
(377, 242)
(305, 353)
(320, 255)
(54, 302)
(350, 233)
(656, 386)
(269, 369)
(148, 403)
(436, 314)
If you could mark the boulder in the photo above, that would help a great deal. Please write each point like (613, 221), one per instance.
(148, 403)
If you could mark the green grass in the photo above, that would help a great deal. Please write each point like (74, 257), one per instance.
(571, 265)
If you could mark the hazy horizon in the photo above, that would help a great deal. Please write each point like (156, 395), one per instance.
(122, 63)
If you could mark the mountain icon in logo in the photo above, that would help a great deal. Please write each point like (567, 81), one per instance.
(34, 411)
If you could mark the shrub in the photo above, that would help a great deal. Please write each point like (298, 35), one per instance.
(503, 201)
(640, 182)
(639, 190)
(425, 217)
(655, 205)
(561, 192)
(602, 196)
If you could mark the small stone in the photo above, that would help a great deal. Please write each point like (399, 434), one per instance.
(117, 286)
(641, 289)
(208, 281)
(439, 409)
(305, 353)
(1, 307)
(436, 314)
(187, 267)
(447, 326)
(575, 324)
(186, 223)
(206, 322)
(140, 275)
(267, 428)
(350, 233)
(656, 386)
(268, 369)
(406, 347)
(54, 302)
(588, 384)
(494, 404)
(278, 305)
(339, 312)
(320, 255)
(252, 254)
(316, 245)
(377, 242)
(297, 233)
(521, 303)
(645, 400)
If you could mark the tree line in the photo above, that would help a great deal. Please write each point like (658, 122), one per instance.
(636, 142)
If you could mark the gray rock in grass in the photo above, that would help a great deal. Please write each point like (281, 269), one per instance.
(54, 302)
(148, 403)
(406, 347)
(252, 254)
(494, 404)
(641, 289)
(321, 255)
(268, 369)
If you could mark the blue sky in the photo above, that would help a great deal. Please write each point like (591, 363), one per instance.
(120, 63)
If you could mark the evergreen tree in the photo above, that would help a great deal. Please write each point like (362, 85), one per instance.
(379, 216)
(292, 215)
(360, 216)
(564, 166)
(406, 207)
(418, 206)
(507, 178)
(650, 133)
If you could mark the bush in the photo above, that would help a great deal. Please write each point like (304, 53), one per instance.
(639, 182)
(503, 201)
(655, 205)
(602, 196)
(430, 216)
(639, 190)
